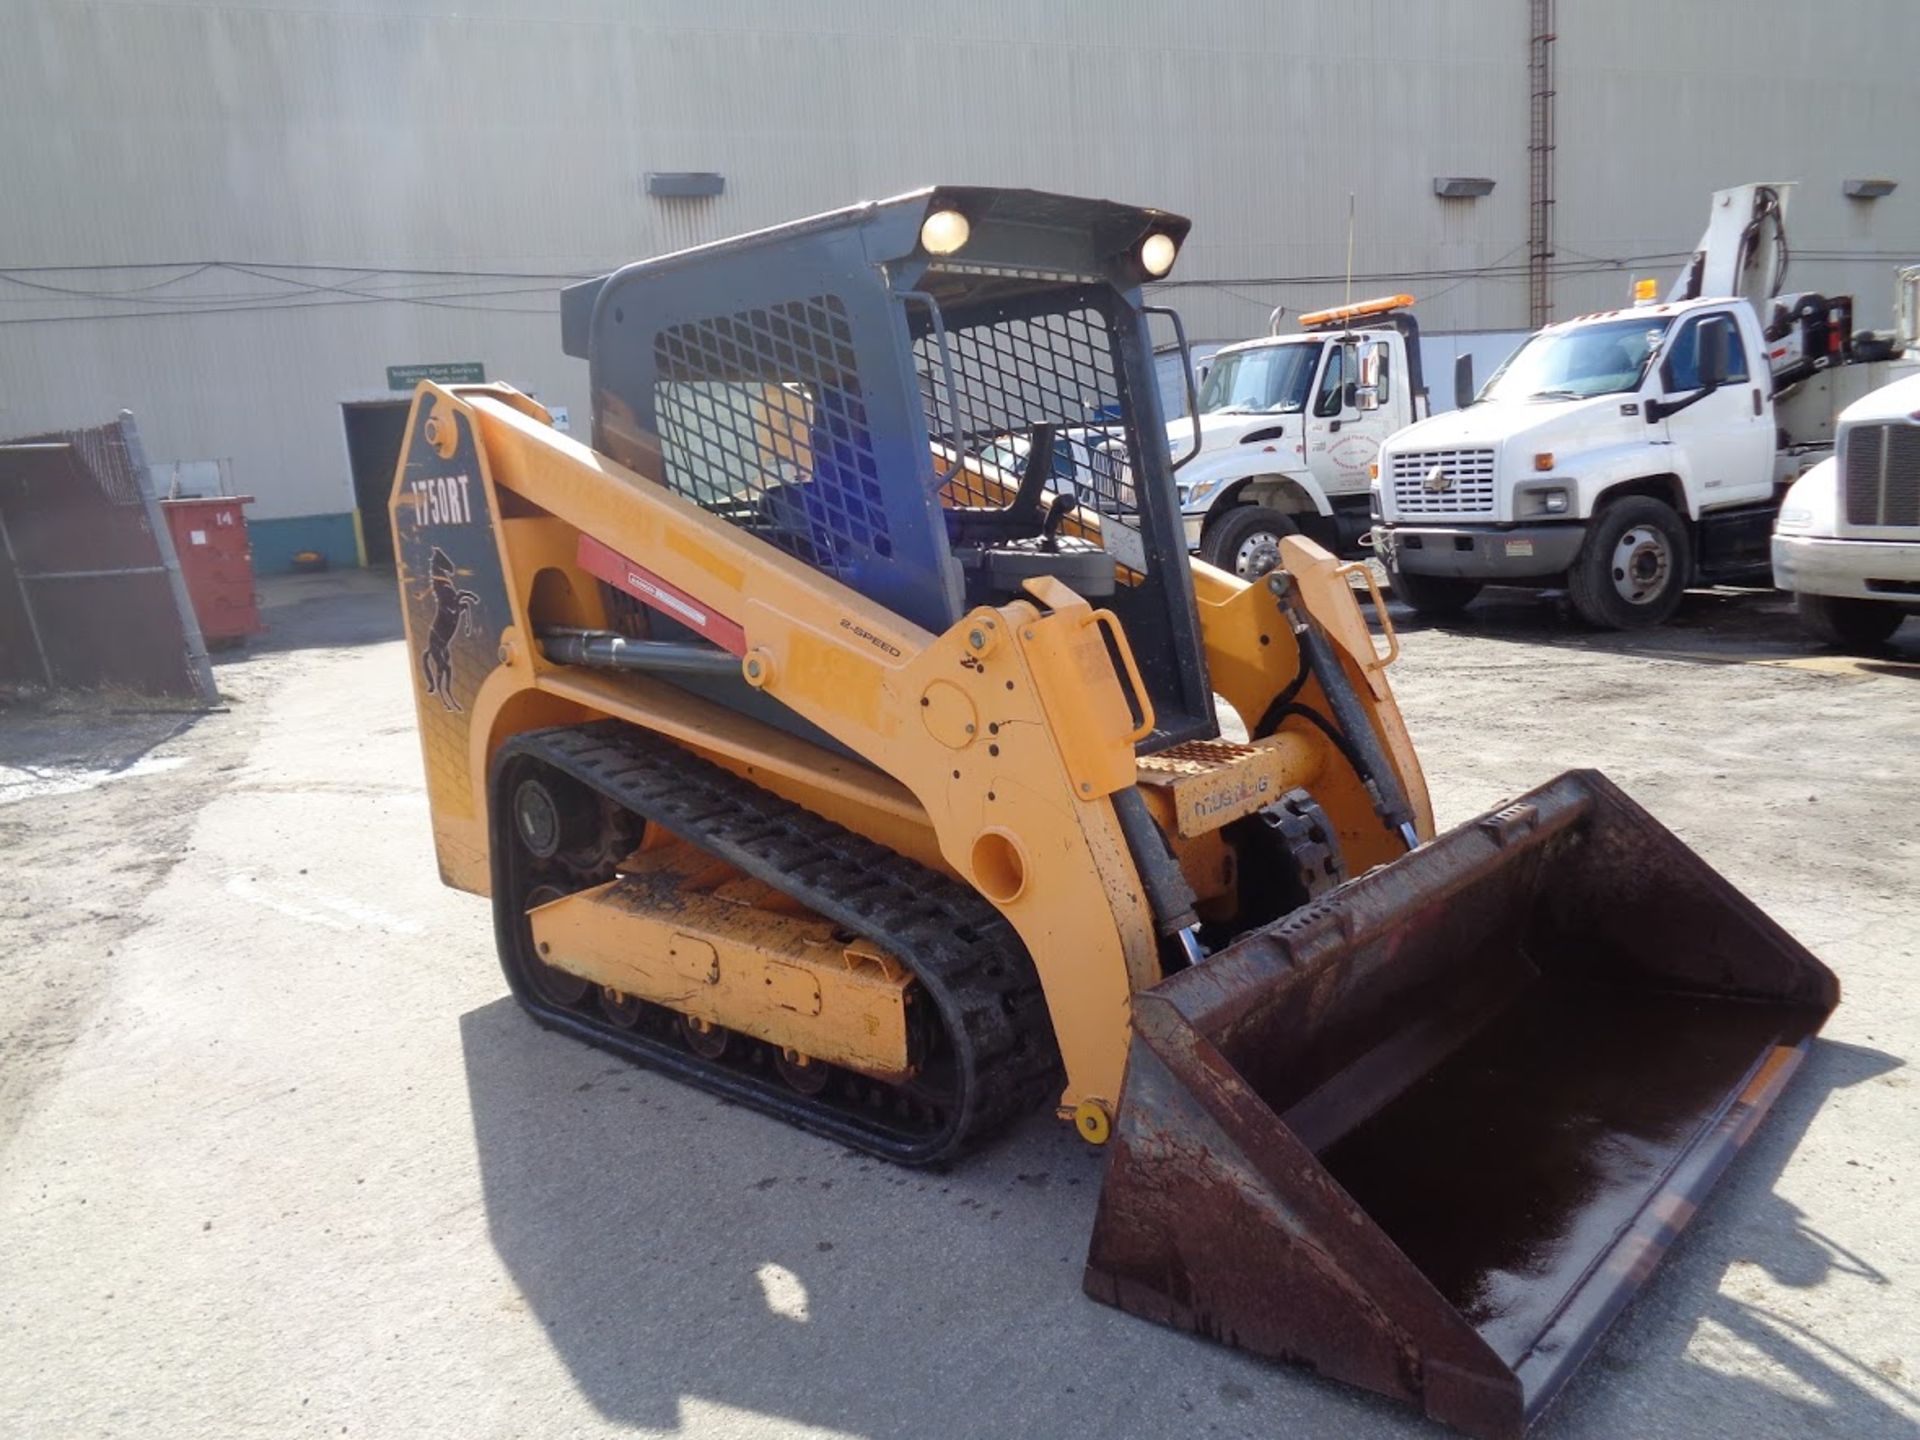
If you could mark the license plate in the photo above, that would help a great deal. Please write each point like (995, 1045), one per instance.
(1519, 547)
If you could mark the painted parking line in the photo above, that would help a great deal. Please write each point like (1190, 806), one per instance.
(313, 905)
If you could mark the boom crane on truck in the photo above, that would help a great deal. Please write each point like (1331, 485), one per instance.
(812, 757)
(1632, 453)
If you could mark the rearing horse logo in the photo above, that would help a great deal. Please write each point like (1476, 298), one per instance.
(452, 611)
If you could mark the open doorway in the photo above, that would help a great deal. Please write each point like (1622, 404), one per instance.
(375, 431)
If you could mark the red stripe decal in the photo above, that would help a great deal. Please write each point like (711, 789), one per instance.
(670, 600)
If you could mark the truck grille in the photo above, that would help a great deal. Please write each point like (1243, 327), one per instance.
(1467, 477)
(1880, 469)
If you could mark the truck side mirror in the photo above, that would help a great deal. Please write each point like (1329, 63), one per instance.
(1462, 381)
(1373, 391)
(1713, 353)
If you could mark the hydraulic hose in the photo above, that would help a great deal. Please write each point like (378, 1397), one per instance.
(1168, 894)
(1361, 747)
(606, 650)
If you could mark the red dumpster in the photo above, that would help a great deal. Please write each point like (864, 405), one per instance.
(210, 536)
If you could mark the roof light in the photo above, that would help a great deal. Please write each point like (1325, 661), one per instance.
(1646, 292)
(1360, 307)
(1157, 252)
(944, 231)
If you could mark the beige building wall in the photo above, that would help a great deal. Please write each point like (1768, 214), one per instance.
(232, 217)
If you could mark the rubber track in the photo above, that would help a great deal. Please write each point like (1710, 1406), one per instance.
(964, 954)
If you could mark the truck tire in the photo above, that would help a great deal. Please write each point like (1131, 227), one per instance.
(1433, 595)
(1838, 620)
(1246, 540)
(1633, 566)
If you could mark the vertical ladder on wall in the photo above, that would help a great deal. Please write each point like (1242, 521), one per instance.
(1540, 162)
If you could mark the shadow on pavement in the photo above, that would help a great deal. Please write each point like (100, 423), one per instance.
(330, 610)
(1724, 625)
(104, 732)
(675, 1249)
(679, 1252)
(1643, 1380)
(678, 1249)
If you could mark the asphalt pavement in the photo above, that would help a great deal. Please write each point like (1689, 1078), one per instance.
(278, 1156)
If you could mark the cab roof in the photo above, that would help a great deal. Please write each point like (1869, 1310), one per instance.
(1665, 310)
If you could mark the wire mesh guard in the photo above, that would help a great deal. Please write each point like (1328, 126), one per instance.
(1010, 375)
(762, 421)
(103, 458)
(85, 595)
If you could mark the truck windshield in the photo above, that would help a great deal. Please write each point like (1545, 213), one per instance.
(1269, 380)
(1573, 364)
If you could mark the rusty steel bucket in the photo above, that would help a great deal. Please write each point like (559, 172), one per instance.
(1429, 1134)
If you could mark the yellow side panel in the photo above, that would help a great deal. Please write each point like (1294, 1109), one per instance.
(857, 796)
(771, 973)
(455, 605)
(1003, 810)
(817, 673)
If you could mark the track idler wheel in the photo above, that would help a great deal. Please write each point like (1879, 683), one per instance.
(621, 1008)
(703, 1037)
(804, 1073)
(552, 815)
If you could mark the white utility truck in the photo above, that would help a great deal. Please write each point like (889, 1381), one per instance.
(1847, 542)
(1629, 454)
(1288, 427)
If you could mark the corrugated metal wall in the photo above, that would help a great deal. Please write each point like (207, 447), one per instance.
(1661, 104)
(470, 162)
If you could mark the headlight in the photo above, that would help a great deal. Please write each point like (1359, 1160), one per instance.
(944, 231)
(1542, 500)
(1156, 253)
(1794, 518)
(1197, 491)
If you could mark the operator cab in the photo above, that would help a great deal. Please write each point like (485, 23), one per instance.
(1000, 547)
(933, 399)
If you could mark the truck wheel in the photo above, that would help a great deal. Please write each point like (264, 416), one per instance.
(1432, 594)
(1246, 540)
(1837, 620)
(1633, 566)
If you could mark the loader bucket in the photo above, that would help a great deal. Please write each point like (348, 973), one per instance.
(1429, 1134)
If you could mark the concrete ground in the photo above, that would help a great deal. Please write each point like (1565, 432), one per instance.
(279, 1158)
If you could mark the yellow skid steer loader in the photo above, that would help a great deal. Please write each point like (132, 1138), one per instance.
(841, 732)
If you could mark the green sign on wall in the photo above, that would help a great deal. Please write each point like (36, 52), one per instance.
(449, 372)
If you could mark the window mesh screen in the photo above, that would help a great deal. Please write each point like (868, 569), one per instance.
(1010, 375)
(761, 420)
